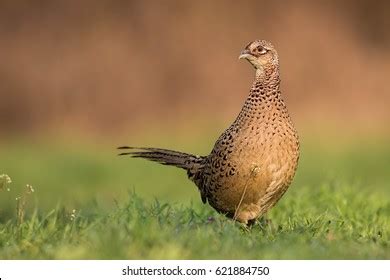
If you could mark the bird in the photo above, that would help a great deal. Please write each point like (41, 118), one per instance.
(253, 162)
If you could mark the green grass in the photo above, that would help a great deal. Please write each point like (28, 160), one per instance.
(338, 207)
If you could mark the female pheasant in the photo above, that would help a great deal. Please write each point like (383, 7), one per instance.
(254, 161)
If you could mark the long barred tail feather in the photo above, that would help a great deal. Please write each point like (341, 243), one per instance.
(163, 156)
(191, 163)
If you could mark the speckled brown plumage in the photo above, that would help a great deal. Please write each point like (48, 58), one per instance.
(253, 162)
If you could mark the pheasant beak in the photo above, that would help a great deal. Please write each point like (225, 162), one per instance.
(245, 54)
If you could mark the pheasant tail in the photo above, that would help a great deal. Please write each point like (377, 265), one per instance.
(191, 163)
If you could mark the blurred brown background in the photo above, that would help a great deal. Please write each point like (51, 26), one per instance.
(107, 66)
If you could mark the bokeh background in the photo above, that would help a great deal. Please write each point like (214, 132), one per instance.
(78, 78)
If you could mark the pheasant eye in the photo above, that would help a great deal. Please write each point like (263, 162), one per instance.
(261, 50)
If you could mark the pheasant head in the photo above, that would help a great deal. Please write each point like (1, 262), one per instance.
(262, 55)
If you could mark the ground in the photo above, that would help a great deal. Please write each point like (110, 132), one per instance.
(89, 204)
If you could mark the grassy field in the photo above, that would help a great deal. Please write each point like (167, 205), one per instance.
(87, 204)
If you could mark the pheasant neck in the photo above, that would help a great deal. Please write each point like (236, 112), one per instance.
(267, 76)
(264, 98)
(265, 89)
